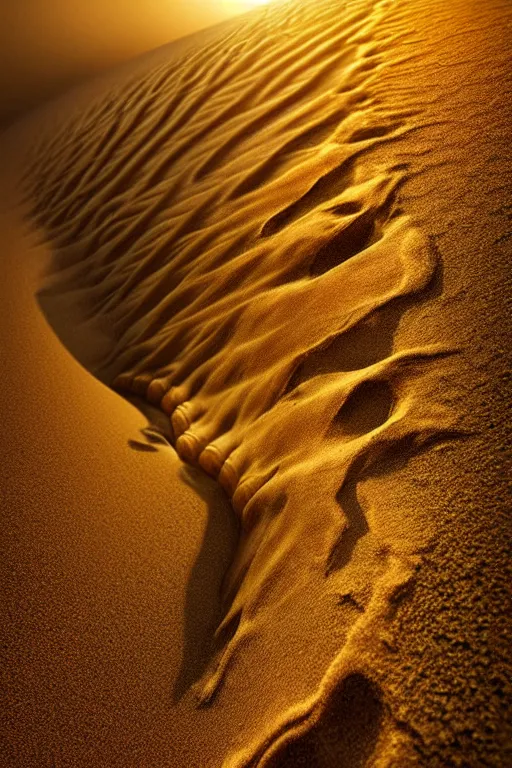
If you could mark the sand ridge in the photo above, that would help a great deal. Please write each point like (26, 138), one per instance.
(219, 220)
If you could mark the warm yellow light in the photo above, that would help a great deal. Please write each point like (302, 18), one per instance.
(243, 5)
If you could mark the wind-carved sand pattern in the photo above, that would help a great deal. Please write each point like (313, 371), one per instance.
(219, 218)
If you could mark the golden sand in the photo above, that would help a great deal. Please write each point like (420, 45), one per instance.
(288, 248)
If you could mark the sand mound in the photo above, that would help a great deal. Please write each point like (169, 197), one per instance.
(232, 244)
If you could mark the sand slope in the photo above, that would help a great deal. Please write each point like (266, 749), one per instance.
(107, 539)
(251, 239)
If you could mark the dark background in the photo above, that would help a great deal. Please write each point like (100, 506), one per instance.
(48, 45)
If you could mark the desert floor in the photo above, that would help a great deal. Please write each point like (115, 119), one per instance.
(255, 354)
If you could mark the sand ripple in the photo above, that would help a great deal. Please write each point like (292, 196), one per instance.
(220, 219)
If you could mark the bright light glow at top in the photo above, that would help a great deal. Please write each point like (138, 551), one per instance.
(243, 5)
(253, 3)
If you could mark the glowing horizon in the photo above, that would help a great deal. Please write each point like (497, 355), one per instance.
(243, 5)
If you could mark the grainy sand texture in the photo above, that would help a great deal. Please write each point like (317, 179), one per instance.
(255, 360)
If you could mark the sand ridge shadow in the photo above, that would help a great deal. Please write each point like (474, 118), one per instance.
(203, 601)
(346, 732)
(204, 584)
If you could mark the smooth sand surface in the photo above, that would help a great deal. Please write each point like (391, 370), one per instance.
(290, 248)
(112, 555)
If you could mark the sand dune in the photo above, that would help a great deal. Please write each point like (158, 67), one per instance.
(48, 46)
(265, 241)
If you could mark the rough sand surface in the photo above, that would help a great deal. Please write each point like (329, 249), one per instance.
(293, 242)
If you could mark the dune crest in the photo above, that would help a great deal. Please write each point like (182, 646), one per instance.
(220, 221)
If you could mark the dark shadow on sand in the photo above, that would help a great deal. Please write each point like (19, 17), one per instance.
(203, 612)
(203, 596)
(346, 733)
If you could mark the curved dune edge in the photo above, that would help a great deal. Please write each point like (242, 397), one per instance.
(221, 224)
(103, 548)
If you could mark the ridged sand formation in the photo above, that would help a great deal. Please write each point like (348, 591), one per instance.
(231, 224)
